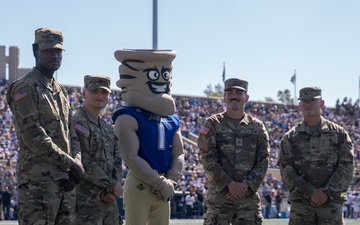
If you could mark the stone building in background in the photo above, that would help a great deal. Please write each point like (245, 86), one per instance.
(9, 64)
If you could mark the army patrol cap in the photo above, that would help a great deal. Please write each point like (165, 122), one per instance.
(236, 83)
(48, 38)
(92, 82)
(310, 92)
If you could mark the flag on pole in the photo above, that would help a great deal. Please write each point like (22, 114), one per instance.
(223, 74)
(293, 78)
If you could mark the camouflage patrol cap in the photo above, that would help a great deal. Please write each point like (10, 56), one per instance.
(48, 38)
(236, 83)
(310, 92)
(92, 82)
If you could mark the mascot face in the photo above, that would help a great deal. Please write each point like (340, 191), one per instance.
(145, 79)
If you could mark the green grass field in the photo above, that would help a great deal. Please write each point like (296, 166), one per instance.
(199, 222)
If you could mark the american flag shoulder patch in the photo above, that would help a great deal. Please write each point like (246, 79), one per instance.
(20, 95)
(204, 130)
(82, 130)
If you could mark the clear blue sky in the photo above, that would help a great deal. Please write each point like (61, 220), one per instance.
(262, 41)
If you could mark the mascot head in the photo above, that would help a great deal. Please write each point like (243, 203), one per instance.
(145, 79)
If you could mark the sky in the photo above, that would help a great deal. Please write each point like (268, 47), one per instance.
(261, 41)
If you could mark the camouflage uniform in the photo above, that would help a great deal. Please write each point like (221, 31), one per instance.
(316, 159)
(312, 158)
(103, 169)
(239, 153)
(42, 117)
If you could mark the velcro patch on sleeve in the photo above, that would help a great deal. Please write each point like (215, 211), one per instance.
(20, 95)
(204, 130)
(82, 130)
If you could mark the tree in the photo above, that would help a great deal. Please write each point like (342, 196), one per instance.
(219, 90)
(269, 99)
(209, 91)
(284, 96)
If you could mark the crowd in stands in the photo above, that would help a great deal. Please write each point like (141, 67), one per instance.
(192, 185)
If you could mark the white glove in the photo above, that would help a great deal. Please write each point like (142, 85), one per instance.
(163, 188)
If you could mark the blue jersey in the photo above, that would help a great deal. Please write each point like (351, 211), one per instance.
(155, 133)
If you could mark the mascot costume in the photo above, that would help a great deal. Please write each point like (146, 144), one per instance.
(149, 135)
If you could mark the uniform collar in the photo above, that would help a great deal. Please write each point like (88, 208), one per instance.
(92, 119)
(227, 119)
(49, 84)
(322, 128)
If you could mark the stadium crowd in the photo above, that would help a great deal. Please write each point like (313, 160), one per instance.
(192, 185)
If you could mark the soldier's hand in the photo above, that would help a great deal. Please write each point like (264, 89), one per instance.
(243, 189)
(118, 190)
(314, 204)
(70, 184)
(237, 189)
(318, 197)
(228, 196)
(77, 170)
(107, 197)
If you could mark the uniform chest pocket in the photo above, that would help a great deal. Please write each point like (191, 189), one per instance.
(330, 148)
(99, 141)
(48, 109)
(246, 146)
(332, 156)
(225, 136)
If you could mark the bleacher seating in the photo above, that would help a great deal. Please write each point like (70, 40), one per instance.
(193, 111)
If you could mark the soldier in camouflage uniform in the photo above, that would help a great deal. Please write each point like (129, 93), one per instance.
(49, 164)
(101, 185)
(234, 149)
(316, 164)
